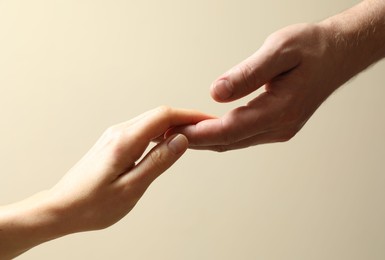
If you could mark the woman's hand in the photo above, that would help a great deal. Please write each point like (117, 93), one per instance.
(102, 187)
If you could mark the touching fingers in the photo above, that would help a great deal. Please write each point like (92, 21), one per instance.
(238, 124)
(128, 141)
(259, 116)
(162, 119)
(158, 160)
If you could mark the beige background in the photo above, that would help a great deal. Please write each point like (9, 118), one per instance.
(69, 69)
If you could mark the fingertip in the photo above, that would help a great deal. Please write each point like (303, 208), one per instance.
(213, 94)
(178, 144)
(221, 90)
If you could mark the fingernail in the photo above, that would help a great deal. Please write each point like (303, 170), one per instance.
(178, 144)
(223, 89)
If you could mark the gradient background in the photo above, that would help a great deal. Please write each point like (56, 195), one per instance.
(69, 69)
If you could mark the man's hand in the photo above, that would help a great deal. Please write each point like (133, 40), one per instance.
(298, 71)
(299, 66)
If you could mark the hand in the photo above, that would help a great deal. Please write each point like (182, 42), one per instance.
(106, 184)
(300, 66)
(102, 187)
(299, 72)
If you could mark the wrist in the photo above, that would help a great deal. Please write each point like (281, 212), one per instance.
(357, 36)
(27, 224)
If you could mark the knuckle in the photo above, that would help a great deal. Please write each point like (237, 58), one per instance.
(221, 148)
(110, 130)
(157, 159)
(114, 138)
(248, 76)
(282, 45)
(163, 110)
(283, 37)
(115, 135)
(226, 134)
(276, 42)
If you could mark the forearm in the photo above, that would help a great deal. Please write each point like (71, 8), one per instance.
(27, 224)
(358, 36)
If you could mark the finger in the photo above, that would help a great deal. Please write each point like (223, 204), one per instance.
(263, 66)
(118, 127)
(265, 138)
(136, 137)
(134, 120)
(159, 139)
(236, 125)
(195, 115)
(158, 160)
(163, 136)
(162, 119)
(221, 131)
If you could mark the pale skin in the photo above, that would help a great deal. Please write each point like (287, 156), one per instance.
(102, 187)
(300, 66)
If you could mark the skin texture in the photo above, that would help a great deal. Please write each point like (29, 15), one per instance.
(102, 187)
(299, 67)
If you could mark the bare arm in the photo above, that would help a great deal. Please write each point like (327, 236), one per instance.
(358, 35)
(102, 187)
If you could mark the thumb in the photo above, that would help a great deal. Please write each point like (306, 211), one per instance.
(159, 159)
(262, 67)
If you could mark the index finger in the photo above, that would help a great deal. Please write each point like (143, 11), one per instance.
(236, 125)
(154, 123)
(159, 120)
(260, 115)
